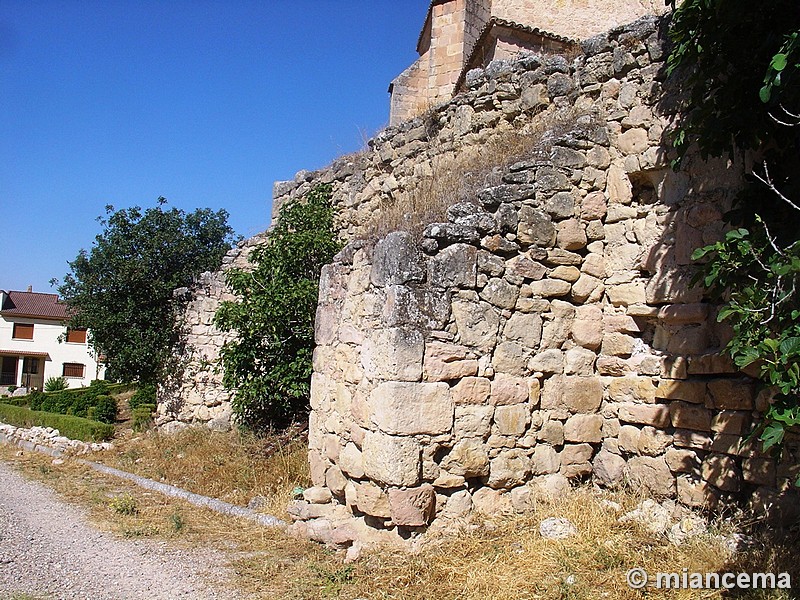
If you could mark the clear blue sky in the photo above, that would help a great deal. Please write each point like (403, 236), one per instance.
(206, 103)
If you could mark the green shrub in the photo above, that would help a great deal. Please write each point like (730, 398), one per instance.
(22, 400)
(55, 384)
(78, 402)
(105, 409)
(124, 505)
(268, 363)
(145, 394)
(143, 417)
(75, 428)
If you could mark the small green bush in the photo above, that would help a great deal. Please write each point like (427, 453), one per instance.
(75, 428)
(145, 394)
(21, 400)
(124, 505)
(55, 384)
(143, 416)
(78, 402)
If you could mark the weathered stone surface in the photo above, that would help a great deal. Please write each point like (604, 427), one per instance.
(335, 480)
(653, 475)
(656, 415)
(550, 288)
(681, 460)
(317, 495)
(526, 267)
(688, 391)
(468, 458)
(473, 421)
(412, 408)
(721, 472)
(391, 460)
(652, 441)
(583, 428)
(552, 432)
(690, 416)
(471, 390)
(372, 500)
(445, 362)
(535, 227)
(759, 471)
(575, 460)
(413, 507)
(507, 389)
(587, 329)
(395, 353)
(510, 358)
(511, 420)
(500, 293)
(477, 324)
(351, 461)
(545, 460)
(609, 469)
(547, 362)
(396, 260)
(454, 266)
(510, 468)
(557, 528)
(582, 394)
(524, 328)
(735, 394)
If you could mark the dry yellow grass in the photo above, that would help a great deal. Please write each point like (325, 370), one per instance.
(504, 558)
(231, 466)
(456, 176)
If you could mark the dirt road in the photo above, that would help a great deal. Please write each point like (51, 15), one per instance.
(49, 549)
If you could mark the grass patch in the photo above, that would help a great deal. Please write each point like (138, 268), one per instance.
(232, 466)
(76, 428)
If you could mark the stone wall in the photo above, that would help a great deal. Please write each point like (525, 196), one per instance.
(545, 331)
(195, 393)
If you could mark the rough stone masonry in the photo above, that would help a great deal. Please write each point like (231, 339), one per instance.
(544, 332)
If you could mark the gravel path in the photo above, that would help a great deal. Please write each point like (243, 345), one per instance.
(49, 549)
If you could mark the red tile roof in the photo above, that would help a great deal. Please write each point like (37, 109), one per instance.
(33, 304)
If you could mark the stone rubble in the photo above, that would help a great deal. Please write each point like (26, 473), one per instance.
(49, 438)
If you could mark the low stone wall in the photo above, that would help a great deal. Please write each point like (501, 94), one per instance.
(34, 438)
(546, 332)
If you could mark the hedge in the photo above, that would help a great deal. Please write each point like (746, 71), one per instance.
(76, 428)
(89, 402)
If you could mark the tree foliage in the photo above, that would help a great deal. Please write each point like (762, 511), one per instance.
(122, 289)
(268, 364)
(739, 64)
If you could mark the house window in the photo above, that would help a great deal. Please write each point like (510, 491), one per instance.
(76, 336)
(23, 331)
(73, 370)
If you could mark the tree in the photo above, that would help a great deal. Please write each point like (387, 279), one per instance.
(739, 62)
(268, 364)
(122, 290)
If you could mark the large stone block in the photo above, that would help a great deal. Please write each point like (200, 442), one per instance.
(575, 460)
(509, 469)
(690, 416)
(524, 328)
(508, 389)
(404, 408)
(688, 391)
(722, 472)
(477, 324)
(582, 394)
(392, 460)
(455, 266)
(471, 390)
(473, 421)
(510, 358)
(584, 428)
(609, 469)
(535, 227)
(351, 461)
(393, 354)
(396, 260)
(445, 362)
(500, 293)
(653, 475)
(734, 394)
(414, 507)
(468, 458)
(545, 460)
(511, 420)
(372, 500)
(656, 415)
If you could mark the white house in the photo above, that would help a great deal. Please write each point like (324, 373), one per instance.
(35, 343)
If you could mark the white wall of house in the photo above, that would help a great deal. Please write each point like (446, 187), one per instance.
(46, 335)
